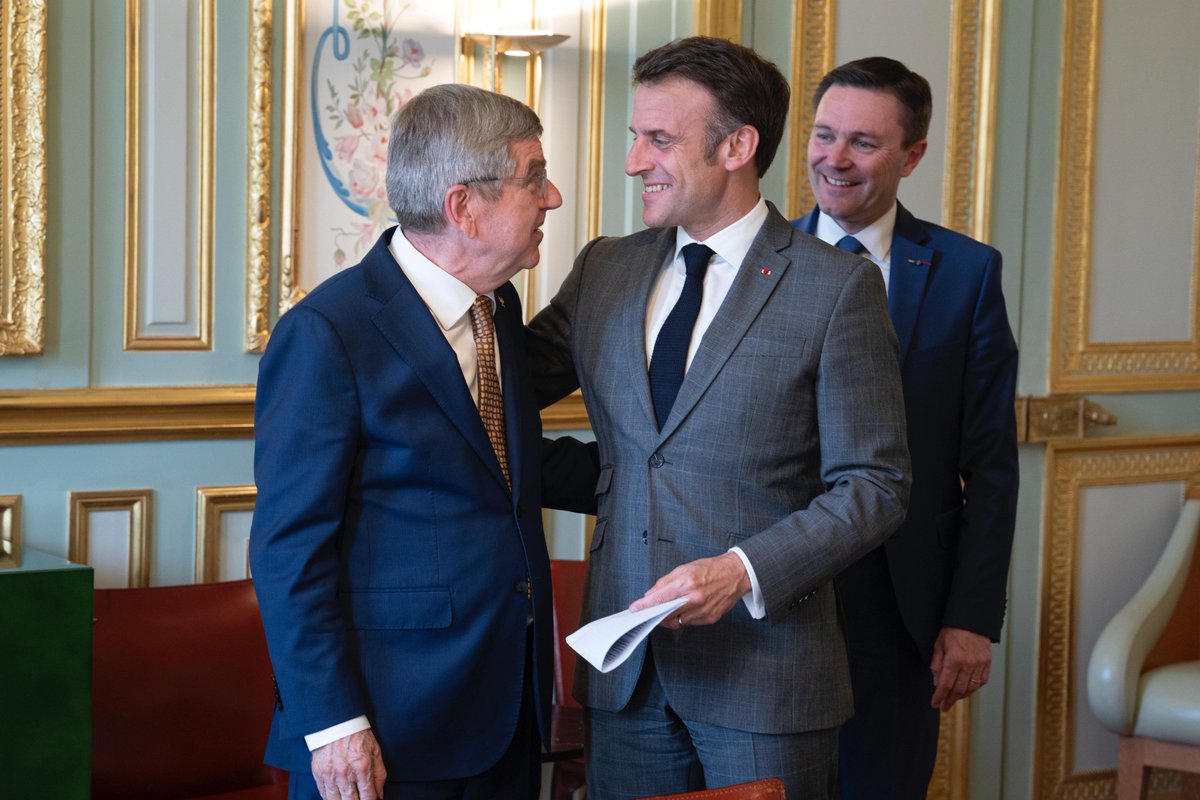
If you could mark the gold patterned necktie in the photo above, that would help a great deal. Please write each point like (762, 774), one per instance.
(491, 400)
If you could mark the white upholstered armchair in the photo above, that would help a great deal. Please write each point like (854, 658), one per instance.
(1144, 675)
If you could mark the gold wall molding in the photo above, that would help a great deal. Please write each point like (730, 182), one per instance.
(23, 176)
(135, 338)
(10, 530)
(126, 414)
(258, 179)
(952, 767)
(971, 117)
(812, 57)
(138, 502)
(720, 18)
(290, 292)
(597, 41)
(211, 503)
(132, 414)
(1077, 365)
(1069, 469)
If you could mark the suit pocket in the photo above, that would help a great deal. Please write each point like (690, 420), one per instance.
(604, 481)
(408, 609)
(947, 524)
(598, 534)
(769, 347)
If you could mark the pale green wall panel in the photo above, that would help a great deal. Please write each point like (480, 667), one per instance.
(45, 477)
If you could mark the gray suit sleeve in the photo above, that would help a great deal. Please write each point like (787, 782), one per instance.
(863, 449)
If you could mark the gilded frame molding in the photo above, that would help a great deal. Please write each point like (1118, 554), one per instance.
(10, 530)
(134, 338)
(1071, 467)
(813, 29)
(971, 117)
(211, 503)
(597, 41)
(720, 18)
(139, 504)
(135, 414)
(127, 414)
(1076, 364)
(23, 177)
(258, 179)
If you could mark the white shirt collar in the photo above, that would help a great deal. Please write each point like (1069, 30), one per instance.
(876, 237)
(447, 297)
(732, 242)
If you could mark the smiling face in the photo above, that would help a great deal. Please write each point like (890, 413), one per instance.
(509, 227)
(856, 155)
(679, 185)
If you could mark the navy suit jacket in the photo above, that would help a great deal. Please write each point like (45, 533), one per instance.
(389, 556)
(958, 362)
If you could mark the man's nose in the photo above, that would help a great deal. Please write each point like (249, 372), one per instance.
(635, 161)
(553, 198)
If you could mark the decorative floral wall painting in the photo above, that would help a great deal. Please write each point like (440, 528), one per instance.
(363, 59)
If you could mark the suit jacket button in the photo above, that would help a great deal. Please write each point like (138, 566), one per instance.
(521, 586)
(657, 460)
(644, 539)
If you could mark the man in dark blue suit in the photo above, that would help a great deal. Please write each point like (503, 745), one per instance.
(932, 598)
(397, 546)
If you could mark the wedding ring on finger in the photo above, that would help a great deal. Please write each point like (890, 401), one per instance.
(679, 619)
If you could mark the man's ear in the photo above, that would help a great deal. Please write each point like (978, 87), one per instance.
(739, 148)
(913, 157)
(459, 210)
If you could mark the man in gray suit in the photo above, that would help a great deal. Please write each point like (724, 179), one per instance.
(741, 378)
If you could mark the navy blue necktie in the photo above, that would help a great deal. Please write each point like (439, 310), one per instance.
(851, 245)
(671, 347)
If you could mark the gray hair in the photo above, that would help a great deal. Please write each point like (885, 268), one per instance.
(446, 135)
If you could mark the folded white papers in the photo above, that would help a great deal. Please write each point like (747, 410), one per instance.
(608, 641)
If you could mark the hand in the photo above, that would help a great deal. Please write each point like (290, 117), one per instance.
(350, 768)
(712, 587)
(962, 662)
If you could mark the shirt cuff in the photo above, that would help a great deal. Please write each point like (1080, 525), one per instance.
(753, 598)
(322, 738)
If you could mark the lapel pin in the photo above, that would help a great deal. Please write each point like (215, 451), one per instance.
(919, 263)
(766, 271)
(500, 300)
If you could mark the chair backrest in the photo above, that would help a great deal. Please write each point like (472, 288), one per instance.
(1180, 640)
(181, 692)
(761, 789)
(568, 604)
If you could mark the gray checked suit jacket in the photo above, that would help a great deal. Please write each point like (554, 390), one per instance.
(787, 439)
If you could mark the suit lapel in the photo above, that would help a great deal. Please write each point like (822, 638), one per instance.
(912, 262)
(756, 279)
(405, 321)
(508, 315)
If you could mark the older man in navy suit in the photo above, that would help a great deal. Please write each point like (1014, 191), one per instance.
(397, 545)
(922, 610)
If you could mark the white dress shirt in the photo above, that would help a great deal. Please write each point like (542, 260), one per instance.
(876, 237)
(730, 245)
(449, 300)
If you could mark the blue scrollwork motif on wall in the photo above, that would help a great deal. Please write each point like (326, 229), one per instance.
(360, 65)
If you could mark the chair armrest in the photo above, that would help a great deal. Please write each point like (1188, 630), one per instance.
(1116, 662)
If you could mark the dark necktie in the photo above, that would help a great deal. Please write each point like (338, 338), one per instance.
(671, 347)
(491, 401)
(851, 245)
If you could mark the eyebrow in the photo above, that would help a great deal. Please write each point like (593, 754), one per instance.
(849, 134)
(535, 166)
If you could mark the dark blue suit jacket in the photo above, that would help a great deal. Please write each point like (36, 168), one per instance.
(388, 554)
(958, 361)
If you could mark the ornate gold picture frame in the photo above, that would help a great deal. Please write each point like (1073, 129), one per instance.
(23, 176)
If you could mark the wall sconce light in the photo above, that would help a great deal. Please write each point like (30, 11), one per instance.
(515, 43)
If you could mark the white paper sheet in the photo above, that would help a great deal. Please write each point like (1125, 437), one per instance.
(608, 641)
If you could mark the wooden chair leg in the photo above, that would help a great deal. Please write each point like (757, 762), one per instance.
(1133, 776)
